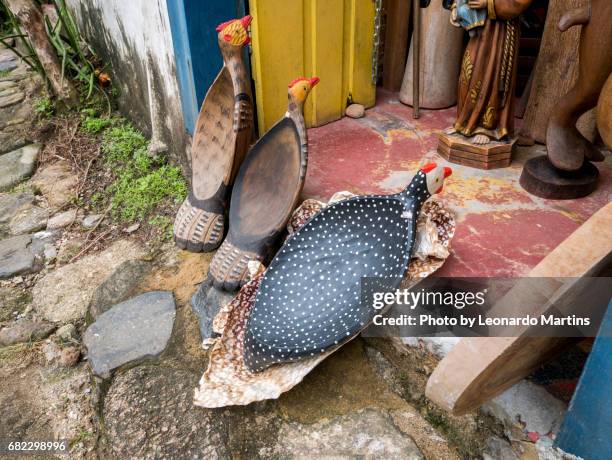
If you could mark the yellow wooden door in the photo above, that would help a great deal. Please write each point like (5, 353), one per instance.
(330, 39)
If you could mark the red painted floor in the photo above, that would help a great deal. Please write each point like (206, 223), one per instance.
(501, 229)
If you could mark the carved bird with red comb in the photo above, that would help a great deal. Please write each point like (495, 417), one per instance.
(222, 136)
(265, 193)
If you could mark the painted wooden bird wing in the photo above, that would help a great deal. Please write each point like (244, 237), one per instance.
(267, 188)
(310, 298)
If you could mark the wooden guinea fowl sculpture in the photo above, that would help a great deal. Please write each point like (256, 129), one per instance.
(222, 136)
(265, 193)
(309, 298)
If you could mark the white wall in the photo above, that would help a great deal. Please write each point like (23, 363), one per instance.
(134, 37)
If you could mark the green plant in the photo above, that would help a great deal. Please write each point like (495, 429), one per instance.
(44, 107)
(95, 125)
(12, 31)
(4, 73)
(73, 52)
(121, 144)
(141, 182)
(164, 226)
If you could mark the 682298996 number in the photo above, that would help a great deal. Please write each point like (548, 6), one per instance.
(39, 447)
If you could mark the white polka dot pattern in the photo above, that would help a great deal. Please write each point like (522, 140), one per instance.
(309, 299)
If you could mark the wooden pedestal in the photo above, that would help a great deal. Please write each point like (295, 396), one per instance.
(457, 149)
(541, 178)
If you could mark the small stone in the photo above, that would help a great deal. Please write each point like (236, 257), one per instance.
(536, 409)
(206, 303)
(69, 356)
(57, 183)
(132, 228)
(11, 203)
(51, 351)
(7, 85)
(50, 252)
(92, 220)
(8, 61)
(63, 219)
(355, 111)
(11, 98)
(28, 219)
(499, 449)
(24, 331)
(67, 333)
(130, 331)
(17, 165)
(16, 258)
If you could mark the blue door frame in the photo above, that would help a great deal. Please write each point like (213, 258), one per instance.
(196, 52)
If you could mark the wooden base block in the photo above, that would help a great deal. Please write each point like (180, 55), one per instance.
(458, 149)
(541, 178)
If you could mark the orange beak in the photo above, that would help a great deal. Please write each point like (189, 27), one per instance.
(313, 81)
(447, 172)
(246, 21)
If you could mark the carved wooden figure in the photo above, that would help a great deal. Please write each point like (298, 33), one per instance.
(222, 136)
(266, 192)
(485, 108)
(567, 172)
(567, 148)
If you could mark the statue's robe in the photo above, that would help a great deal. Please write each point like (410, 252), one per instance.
(488, 73)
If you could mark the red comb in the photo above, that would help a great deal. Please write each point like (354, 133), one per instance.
(246, 21)
(297, 80)
(313, 81)
(447, 171)
(429, 167)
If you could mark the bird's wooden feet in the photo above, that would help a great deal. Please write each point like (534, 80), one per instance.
(229, 267)
(198, 230)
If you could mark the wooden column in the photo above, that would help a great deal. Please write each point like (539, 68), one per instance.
(396, 43)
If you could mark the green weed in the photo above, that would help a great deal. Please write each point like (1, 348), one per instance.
(44, 107)
(164, 226)
(141, 182)
(4, 73)
(95, 125)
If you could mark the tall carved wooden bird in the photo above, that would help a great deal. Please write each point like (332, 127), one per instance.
(222, 136)
(265, 193)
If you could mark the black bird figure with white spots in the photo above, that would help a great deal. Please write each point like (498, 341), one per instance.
(309, 298)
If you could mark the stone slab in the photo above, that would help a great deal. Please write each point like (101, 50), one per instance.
(16, 258)
(130, 331)
(17, 165)
(25, 330)
(63, 295)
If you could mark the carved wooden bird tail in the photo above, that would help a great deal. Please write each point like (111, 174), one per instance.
(222, 136)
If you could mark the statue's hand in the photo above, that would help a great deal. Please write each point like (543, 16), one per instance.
(477, 4)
